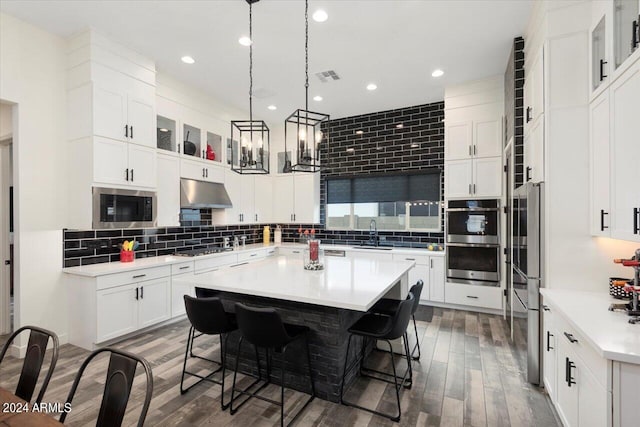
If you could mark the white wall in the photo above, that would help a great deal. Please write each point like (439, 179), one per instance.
(6, 127)
(32, 74)
(574, 259)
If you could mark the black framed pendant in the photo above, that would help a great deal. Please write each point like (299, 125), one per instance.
(250, 139)
(305, 131)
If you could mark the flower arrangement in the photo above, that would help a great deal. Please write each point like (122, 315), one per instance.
(306, 234)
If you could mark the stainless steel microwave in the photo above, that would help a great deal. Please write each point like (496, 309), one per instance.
(117, 208)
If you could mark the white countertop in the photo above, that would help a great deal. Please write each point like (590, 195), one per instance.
(349, 283)
(609, 333)
(95, 270)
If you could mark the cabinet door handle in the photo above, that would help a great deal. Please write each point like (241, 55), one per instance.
(635, 39)
(570, 337)
(475, 149)
(545, 307)
(528, 114)
(528, 173)
(131, 131)
(602, 75)
(178, 148)
(549, 335)
(431, 262)
(131, 175)
(203, 172)
(474, 189)
(256, 218)
(253, 255)
(469, 150)
(203, 156)
(470, 189)
(185, 267)
(472, 296)
(126, 174)
(126, 131)
(295, 252)
(567, 373)
(141, 292)
(237, 265)
(602, 214)
(137, 276)
(410, 259)
(207, 169)
(636, 227)
(137, 294)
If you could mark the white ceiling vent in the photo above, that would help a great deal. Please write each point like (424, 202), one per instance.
(327, 76)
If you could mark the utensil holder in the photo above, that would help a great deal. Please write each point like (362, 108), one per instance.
(127, 256)
(618, 291)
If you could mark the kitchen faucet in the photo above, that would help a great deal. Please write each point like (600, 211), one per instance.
(373, 232)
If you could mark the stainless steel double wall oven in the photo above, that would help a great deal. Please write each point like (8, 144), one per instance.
(473, 242)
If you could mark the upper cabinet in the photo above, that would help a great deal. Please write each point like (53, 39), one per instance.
(474, 139)
(626, 16)
(534, 117)
(599, 53)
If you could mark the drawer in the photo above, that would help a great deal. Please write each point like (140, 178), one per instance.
(118, 279)
(183, 267)
(290, 251)
(252, 256)
(216, 261)
(473, 295)
(587, 354)
(271, 252)
(419, 259)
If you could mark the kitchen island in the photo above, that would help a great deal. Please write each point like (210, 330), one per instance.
(327, 301)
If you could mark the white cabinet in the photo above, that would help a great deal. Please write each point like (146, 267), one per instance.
(549, 352)
(487, 137)
(473, 295)
(168, 193)
(179, 290)
(473, 178)
(124, 309)
(247, 199)
(120, 163)
(200, 170)
(534, 152)
(263, 199)
(436, 279)
(481, 137)
(533, 90)
(600, 219)
(241, 189)
(567, 392)
(458, 140)
(296, 198)
(625, 142)
(124, 116)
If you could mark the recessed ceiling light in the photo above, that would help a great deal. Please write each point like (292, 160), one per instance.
(164, 130)
(188, 60)
(437, 73)
(317, 98)
(399, 126)
(272, 107)
(320, 15)
(350, 150)
(245, 41)
(359, 132)
(372, 86)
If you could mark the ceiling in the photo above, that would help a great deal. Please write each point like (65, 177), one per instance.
(394, 44)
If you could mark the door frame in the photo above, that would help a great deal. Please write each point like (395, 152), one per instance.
(5, 317)
(509, 154)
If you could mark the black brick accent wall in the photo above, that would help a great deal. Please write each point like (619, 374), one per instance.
(514, 105)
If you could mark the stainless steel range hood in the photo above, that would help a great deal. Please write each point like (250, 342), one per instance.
(200, 194)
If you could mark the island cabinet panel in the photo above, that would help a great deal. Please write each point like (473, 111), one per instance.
(213, 263)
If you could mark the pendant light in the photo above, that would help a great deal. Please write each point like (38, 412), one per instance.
(303, 131)
(250, 138)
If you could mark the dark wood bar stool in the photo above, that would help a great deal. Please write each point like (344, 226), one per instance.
(264, 328)
(33, 361)
(385, 328)
(207, 316)
(388, 307)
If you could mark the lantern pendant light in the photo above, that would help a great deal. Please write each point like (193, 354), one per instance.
(303, 129)
(250, 138)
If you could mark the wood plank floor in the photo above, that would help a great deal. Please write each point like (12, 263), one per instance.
(470, 374)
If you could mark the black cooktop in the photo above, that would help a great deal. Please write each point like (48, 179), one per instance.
(202, 251)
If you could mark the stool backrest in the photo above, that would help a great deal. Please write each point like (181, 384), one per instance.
(262, 327)
(416, 291)
(33, 361)
(117, 387)
(400, 319)
(206, 315)
(206, 293)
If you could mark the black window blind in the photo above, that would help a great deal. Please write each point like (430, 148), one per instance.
(389, 188)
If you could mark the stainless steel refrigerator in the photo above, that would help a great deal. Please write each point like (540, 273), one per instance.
(528, 268)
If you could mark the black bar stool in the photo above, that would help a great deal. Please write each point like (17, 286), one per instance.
(388, 307)
(384, 328)
(207, 316)
(203, 293)
(264, 328)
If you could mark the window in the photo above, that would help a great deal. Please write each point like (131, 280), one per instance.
(395, 202)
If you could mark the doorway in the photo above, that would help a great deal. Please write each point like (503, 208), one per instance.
(6, 219)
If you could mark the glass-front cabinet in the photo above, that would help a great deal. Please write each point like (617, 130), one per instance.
(192, 144)
(213, 149)
(626, 17)
(166, 134)
(598, 53)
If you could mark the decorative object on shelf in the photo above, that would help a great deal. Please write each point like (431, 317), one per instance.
(189, 147)
(211, 155)
(303, 132)
(633, 308)
(277, 235)
(616, 288)
(266, 235)
(312, 255)
(127, 250)
(252, 135)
